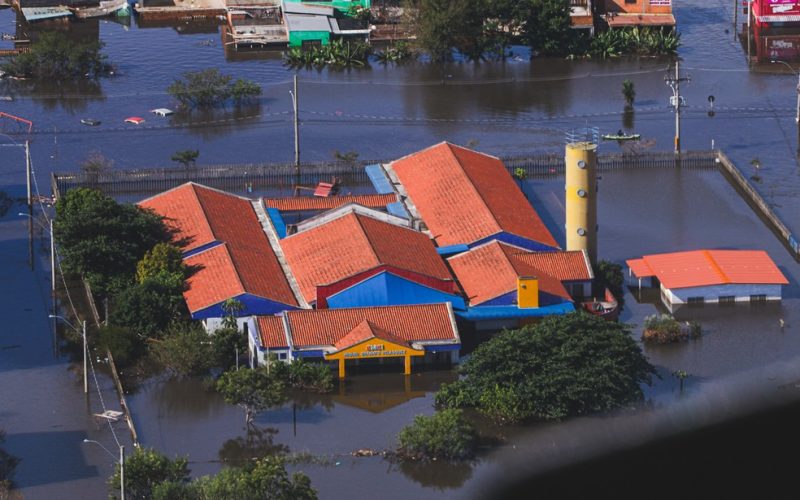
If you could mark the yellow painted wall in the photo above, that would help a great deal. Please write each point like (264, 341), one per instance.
(527, 292)
(581, 198)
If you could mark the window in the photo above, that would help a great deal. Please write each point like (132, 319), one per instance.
(727, 299)
(696, 301)
(758, 298)
(282, 356)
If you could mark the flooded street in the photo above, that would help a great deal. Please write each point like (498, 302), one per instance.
(385, 112)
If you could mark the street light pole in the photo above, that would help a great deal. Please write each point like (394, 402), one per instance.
(85, 356)
(797, 112)
(121, 464)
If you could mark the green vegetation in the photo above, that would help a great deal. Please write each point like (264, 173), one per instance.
(8, 464)
(564, 366)
(444, 25)
(664, 329)
(446, 434)
(56, 57)
(124, 343)
(187, 157)
(147, 308)
(103, 240)
(95, 163)
(6, 202)
(547, 26)
(628, 92)
(338, 54)
(185, 350)
(681, 375)
(396, 53)
(642, 41)
(209, 88)
(145, 469)
(520, 174)
(163, 262)
(610, 275)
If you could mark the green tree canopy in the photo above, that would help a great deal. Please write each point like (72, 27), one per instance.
(564, 366)
(444, 25)
(163, 262)
(266, 479)
(144, 469)
(186, 157)
(254, 390)
(445, 434)
(547, 25)
(148, 308)
(209, 87)
(101, 239)
(54, 56)
(185, 349)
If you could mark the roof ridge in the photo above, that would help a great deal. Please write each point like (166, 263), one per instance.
(371, 245)
(227, 249)
(715, 266)
(204, 210)
(473, 186)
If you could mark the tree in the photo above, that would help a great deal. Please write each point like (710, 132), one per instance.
(446, 434)
(628, 92)
(185, 350)
(231, 307)
(226, 343)
(209, 87)
(547, 26)
(95, 163)
(145, 469)
(610, 275)
(148, 308)
(186, 157)
(103, 240)
(125, 345)
(56, 57)
(254, 390)
(564, 366)
(162, 262)
(444, 25)
(8, 463)
(266, 479)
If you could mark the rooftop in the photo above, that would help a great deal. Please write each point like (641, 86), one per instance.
(709, 267)
(271, 330)
(309, 203)
(464, 196)
(491, 270)
(353, 243)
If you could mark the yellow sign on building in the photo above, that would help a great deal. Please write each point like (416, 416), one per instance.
(527, 292)
(375, 348)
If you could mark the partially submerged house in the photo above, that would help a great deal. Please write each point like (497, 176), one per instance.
(710, 276)
(358, 336)
(631, 13)
(311, 24)
(581, 15)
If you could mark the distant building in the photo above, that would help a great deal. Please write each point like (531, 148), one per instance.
(581, 15)
(225, 241)
(506, 286)
(710, 276)
(630, 13)
(774, 13)
(358, 336)
(354, 256)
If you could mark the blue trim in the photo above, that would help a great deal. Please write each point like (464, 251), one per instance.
(397, 208)
(277, 221)
(253, 306)
(508, 312)
(442, 347)
(507, 299)
(452, 249)
(387, 289)
(379, 180)
(201, 248)
(513, 239)
(312, 353)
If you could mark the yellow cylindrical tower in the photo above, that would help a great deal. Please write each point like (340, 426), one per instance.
(581, 198)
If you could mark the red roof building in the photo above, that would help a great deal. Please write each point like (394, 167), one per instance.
(316, 203)
(227, 249)
(466, 197)
(711, 276)
(489, 274)
(333, 257)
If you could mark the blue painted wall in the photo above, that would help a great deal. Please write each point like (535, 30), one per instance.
(277, 221)
(482, 313)
(515, 240)
(253, 305)
(510, 299)
(387, 289)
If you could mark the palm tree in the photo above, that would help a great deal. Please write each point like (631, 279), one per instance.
(629, 93)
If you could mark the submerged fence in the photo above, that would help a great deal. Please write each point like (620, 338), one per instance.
(237, 177)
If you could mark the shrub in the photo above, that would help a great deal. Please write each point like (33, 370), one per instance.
(163, 262)
(298, 374)
(145, 468)
(664, 329)
(54, 56)
(209, 87)
(148, 308)
(125, 345)
(446, 434)
(225, 342)
(185, 349)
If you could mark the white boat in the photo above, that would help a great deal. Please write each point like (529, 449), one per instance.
(106, 7)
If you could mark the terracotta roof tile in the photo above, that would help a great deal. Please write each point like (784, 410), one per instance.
(564, 266)
(271, 330)
(326, 327)
(364, 331)
(710, 267)
(355, 243)
(464, 196)
(491, 270)
(204, 215)
(301, 203)
(214, 279)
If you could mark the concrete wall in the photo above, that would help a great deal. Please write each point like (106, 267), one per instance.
(712, 293)
(636, 7)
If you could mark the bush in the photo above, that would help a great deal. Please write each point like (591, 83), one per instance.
(163, 262)
(125, 345)
(225, 342)
(664, 329)
(146, 468)
(298, 374)
(610, 275)
(446, 434)
(186, 350)
(209, 87)
(564, 366)
(148, 308)
(8, 464)
(54, 56)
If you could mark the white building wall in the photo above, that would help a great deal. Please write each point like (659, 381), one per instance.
(712, 294)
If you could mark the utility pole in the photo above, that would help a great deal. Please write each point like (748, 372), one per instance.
(749, 30)
(52, 262)
(735, 17)
(121, 471)
(295, 106)
(28, 175)
(674, 83)
(85, 356)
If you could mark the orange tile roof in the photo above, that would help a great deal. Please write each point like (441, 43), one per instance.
(564, 266)
(300, 203)
(354, 243)
(202, 215)
(326, 327)
(491, 270)
(464, 196)
(364, 331)
(213, 280)
(272, 331)
(709, 267)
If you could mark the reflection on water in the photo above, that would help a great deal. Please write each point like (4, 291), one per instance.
(437, 475)
(257, 443)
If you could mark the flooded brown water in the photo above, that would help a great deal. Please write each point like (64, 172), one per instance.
(383, 112)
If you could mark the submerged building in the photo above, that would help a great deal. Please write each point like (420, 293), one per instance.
(710, 276)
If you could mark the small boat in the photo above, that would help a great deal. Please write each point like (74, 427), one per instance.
(608, 308)
(136, 120)
(105, 8)
(621, 137)
(90, 121)
(162, 111)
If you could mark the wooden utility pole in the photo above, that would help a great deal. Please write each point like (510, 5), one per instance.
(295, 106)
(674, 83)
(28, 174)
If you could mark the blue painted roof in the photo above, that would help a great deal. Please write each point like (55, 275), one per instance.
(378, 178)
(397, 208)
(452, 249)
(277, 221)
(507, 312)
